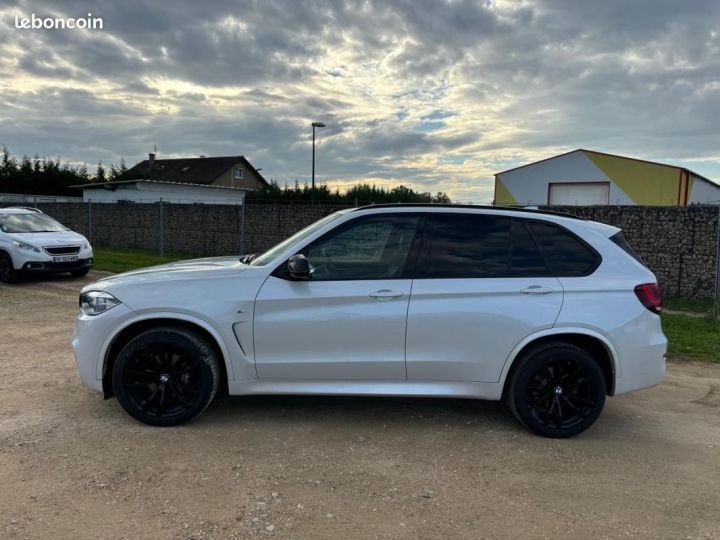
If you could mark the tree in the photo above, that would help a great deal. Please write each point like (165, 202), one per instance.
(359, 194)
(119, 173)
(99, 173)
(39, 176)
(8, 164)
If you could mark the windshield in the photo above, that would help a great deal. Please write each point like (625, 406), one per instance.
(31, 222)
(271, 254)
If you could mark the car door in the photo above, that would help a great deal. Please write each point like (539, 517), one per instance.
(348, 321)
(481, 286)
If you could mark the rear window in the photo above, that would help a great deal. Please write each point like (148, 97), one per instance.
(622, 242)
(565, 254)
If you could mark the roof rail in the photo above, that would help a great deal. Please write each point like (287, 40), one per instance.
(471, 206)
(31, 208)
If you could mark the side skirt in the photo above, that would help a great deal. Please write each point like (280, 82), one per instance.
(454, 389)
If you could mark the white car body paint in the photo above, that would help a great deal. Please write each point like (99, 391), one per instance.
(427, 338)
(39, 259)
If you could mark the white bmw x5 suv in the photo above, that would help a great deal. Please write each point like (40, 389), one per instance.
(32, 242)
(548, 312)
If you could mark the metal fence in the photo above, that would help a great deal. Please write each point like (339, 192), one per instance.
(681, 245)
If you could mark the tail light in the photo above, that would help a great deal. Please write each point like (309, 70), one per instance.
(650, 296)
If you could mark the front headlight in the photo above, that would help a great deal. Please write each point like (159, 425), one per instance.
(96, 302)
(22, 245)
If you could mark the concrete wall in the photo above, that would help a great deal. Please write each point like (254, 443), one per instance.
(679, 244)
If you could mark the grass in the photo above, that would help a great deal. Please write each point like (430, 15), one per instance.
(691, 332)
(692, 338)
(685, 304)
(122, 260)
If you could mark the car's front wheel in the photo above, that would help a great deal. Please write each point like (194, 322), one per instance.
(166, 376)
(8, 274)
(556, 390)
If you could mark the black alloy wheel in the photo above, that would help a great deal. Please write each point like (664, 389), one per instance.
(166, 376)
(557, 390)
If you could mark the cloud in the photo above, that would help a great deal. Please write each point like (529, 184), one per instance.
(437, 95)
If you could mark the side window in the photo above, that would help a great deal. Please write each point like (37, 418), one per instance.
(526, 259)
(566, 256)
(375, 247)
(467, 246)
(619, 239)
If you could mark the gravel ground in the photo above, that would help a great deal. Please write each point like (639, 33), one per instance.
(75, 466)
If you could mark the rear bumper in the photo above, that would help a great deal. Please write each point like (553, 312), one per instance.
(49, 267)
(651, 373)
(643, 353)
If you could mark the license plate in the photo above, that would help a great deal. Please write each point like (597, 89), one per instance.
(65, 258)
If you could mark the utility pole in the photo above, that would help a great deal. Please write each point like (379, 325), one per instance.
(314, 125)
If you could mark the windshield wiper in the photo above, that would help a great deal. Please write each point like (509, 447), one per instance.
(247, 259)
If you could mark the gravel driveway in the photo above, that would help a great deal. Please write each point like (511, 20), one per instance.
(73, 465)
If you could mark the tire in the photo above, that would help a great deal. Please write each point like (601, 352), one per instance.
(8, 274)
(80, 273)
(557, 390)
(166, 376)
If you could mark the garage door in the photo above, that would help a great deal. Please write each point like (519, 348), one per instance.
(580, 193)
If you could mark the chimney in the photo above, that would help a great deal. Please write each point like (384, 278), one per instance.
(151, 160)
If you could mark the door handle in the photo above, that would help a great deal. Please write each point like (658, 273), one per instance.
(385, 294)
(536, 289)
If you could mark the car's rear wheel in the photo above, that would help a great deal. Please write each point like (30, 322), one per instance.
(166, 376)
(8, 274)
(557, 390)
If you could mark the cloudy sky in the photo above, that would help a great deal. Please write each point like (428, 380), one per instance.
(437, 95)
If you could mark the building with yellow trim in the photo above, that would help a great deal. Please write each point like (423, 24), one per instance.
(585, 177)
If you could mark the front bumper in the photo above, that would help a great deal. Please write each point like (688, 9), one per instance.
(91, 338)
(50, 267)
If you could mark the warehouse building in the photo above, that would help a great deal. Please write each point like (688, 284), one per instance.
(586, 177)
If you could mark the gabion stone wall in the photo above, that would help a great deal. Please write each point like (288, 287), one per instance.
(679, 244)
(201, 229)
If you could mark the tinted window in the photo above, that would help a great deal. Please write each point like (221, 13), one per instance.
(480, 246)
(564, 254)
(467, 246)
(526, 258)
(621, 241)
(367, 248)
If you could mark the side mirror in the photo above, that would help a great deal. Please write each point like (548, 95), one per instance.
(299, 267)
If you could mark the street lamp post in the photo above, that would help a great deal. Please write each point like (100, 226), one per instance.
(314, 125)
